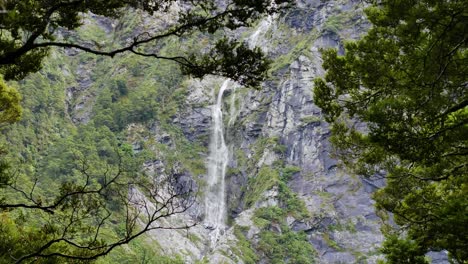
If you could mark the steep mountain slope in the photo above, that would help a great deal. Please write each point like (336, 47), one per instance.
(286, 199)
(283, 188)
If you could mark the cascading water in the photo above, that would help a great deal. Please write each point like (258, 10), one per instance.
(215, 196)
(262, 28)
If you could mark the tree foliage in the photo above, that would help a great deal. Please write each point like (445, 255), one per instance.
(406, 79)
(77, 198)
(10, 109)
(30, 28)
(96, 199)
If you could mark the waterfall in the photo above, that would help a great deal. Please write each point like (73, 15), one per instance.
(215, 191)
(262, 28)
(215, 196)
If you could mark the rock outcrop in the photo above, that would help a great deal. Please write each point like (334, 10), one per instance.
(342, 226)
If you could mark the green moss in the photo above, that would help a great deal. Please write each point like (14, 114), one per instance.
(331, 243)
(140, 250)
(347, 226)
(259, 148)
(204, 260)
(241, 158)
(288, 246)
(310, 119)
(301, 44)
(338, 22)
(280, 149)
(292, 204)
(288, 171)
(325, 195)
(265, 216)
(266, 179)
(194, 238)
(260, 222)
(243, 247)
(232, 171)
(283, 245)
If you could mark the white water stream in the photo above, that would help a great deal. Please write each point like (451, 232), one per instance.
(215, 196)
(261, 29)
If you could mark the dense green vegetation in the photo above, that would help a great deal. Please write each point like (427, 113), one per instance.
(10, 110)
(277, 242)
(46, 157)
(70, 167)
(243, 247)
(50, 152)
(406, 79)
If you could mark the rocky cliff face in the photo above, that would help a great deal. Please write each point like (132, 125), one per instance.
(287, 200)
(279, 127)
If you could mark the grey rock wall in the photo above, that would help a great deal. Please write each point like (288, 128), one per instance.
(343, 227)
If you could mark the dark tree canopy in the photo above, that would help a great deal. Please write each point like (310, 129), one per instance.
(29, 29)
(407, 80)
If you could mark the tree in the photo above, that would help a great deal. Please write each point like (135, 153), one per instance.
(69, 219)
(29, 29)
(99, 201)
(406, 80)
(10, 109)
